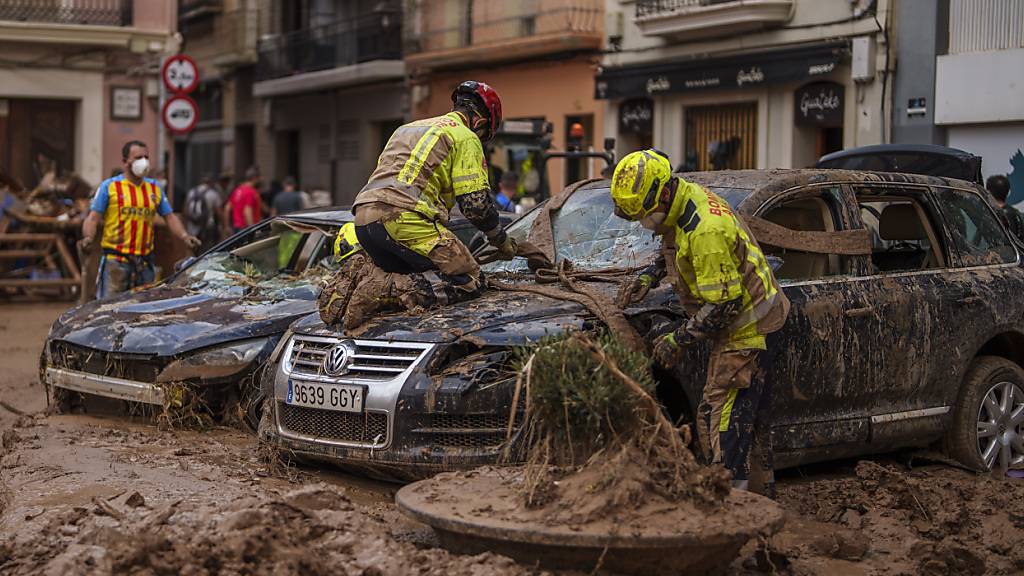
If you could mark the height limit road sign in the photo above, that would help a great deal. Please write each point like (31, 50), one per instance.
(180, 74)
(180, 114)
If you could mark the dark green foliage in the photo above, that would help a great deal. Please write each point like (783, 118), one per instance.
(574, 400)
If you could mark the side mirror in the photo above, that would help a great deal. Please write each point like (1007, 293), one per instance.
(184, 263)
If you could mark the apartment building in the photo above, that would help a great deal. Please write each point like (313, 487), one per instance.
(221, 36)
(979, 97)
(540, 55)
(746, 83)
(330, 89)
(79, 78)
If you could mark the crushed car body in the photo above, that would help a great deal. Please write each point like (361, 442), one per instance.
(903, 329)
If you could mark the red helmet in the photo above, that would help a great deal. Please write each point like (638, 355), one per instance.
(485, 99)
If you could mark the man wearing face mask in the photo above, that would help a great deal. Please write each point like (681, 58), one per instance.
(426, 168)
(731, 298)
(126, 205)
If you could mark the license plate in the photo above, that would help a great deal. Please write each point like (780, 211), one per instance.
(340, 397)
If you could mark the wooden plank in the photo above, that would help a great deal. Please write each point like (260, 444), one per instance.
(48, 283)
(27, 237)
(848, 242)
(69, 260)
(15, 254)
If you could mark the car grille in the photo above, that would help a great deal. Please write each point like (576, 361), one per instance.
(375, 361)
(474, 431)
(369, 429)
(137, 367)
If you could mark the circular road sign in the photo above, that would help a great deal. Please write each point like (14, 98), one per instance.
(180, 74)
(180, 114)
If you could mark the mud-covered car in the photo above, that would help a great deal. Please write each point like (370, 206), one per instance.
(206, 332)
(906, 330)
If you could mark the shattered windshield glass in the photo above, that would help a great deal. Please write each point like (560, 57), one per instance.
(589, 234)
(275, 261)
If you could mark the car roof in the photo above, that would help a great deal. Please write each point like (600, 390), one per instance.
(927, 159)
(332, 215)
(750, 188)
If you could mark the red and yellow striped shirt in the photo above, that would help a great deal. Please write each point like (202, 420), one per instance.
(128, 212)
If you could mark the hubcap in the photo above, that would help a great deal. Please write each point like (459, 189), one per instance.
(1001, 426)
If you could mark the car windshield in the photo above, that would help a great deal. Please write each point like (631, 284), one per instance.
(277, 260)
(588, 233)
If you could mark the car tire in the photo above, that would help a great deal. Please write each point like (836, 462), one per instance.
(987, 431)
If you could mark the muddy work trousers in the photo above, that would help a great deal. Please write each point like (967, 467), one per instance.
(734, 417)
(439, 267)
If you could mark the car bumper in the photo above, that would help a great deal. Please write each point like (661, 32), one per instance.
(106, 386)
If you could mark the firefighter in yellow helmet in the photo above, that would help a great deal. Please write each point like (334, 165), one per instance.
(732, 300)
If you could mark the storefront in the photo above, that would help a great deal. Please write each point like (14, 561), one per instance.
(783, 108)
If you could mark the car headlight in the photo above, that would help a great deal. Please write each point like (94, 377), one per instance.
(214, 363)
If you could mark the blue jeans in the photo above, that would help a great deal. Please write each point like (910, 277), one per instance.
(117, 275)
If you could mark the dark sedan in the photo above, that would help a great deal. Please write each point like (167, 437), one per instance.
(906, 329)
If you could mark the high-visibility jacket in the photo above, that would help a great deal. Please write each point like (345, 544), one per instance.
(427, 164)
(716, 260)
(128, 211)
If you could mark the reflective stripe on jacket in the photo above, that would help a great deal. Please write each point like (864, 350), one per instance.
(427, 164)
(716, 259)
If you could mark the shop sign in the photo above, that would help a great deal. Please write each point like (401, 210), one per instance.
(636, 116)
(819, 104)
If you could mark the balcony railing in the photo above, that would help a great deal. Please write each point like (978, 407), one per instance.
(657, 7)
(82, 12)
(373, 37)
(237, 37)
(452, 24)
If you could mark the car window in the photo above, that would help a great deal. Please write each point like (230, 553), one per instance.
(816, 213)
(976, 233)
(903, 237)
(272, 260)
(588, 233)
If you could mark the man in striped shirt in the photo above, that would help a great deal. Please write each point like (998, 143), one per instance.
(126, 205)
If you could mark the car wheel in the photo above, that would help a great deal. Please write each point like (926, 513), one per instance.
(988, 425)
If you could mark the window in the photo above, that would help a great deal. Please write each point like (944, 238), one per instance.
(902, 236)
(975, 231)
(806, 214)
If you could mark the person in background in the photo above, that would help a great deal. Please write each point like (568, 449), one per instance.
(243, 205)
(288, 200)
(202, 212)
(999, 187)
(126, 205)
(507, 192)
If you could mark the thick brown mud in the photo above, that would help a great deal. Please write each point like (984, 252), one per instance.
(83, 494)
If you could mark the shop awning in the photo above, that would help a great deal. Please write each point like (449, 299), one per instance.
(734, 72)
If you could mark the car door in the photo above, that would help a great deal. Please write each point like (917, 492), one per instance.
(900, 345)
(812, 372)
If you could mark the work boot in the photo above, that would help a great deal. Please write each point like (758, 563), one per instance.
(375, 293)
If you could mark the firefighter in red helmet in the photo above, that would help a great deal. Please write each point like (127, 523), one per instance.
(427, 167)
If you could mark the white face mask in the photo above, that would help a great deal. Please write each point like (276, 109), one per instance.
(140, 167)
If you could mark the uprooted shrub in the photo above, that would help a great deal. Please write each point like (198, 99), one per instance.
(595, 438)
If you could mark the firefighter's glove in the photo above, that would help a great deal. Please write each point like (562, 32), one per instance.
(192, 242)
(668, 351)
(635, 289)
(507, 249)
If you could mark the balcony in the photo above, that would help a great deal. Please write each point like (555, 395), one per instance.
(69, 12)
(237, 38)
(458, 33)
(347, 52)
(684, 20)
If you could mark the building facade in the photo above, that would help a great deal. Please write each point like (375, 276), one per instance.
(329, 89)
(221, 36)
(539, 55)
(747, 84)
(979, 100)
(79, 79)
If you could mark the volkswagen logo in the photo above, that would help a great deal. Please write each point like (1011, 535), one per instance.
(337, 359)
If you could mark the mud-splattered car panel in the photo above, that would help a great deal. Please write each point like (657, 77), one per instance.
(853, 365)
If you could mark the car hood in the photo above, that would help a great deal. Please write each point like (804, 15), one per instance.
(495, 318)
(166, 321)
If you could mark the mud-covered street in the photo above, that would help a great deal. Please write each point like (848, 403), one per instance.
(83, 494)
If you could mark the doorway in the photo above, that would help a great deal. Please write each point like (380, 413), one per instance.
(720, 137)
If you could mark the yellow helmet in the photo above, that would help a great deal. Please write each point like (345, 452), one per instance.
(637, 182)
(346, 243)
